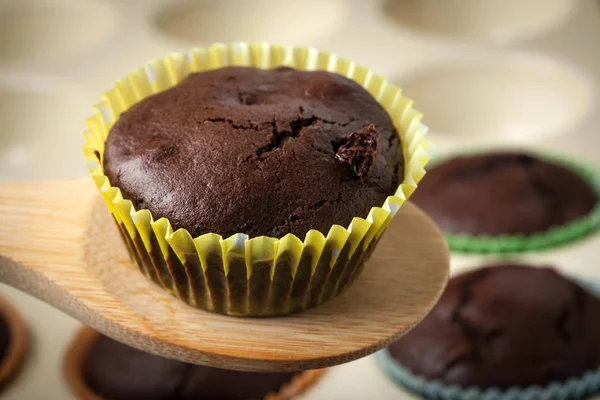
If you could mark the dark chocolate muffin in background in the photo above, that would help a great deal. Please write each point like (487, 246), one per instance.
(98, 367)
(243, 150)
(502, 194)
(4, 338)
(13, 343)
(505, 326)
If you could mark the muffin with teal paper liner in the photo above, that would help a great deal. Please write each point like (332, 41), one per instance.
(505, 331)
(254, 180)
(501, 201)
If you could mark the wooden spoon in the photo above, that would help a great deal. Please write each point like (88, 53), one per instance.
(59, 243)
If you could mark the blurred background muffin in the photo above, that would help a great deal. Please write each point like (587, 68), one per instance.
(98, 367)
(510, 201)
(511, 328)
(14, 343)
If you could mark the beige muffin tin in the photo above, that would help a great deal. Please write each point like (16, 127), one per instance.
(523, 73)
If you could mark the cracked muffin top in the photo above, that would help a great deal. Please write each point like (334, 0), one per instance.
(502, 193)
(505, 325)
(242, 150)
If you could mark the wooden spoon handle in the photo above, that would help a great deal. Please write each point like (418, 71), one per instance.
(58, 243)
(42, 252)
(42, 233)
(42, 226)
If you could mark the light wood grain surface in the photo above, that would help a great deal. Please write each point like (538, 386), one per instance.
(58, 243)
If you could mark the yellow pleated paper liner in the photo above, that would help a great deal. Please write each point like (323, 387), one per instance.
(244, 276)
(553, 237)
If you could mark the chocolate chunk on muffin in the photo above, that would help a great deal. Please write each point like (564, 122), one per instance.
(503, 194)
(504, 326)
(358, 150)
(243, 150)
(99, 367)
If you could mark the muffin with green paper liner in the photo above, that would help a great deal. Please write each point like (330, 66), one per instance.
(506, 201)
(254, 180)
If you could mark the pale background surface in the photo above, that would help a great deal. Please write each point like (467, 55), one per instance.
(485, 72)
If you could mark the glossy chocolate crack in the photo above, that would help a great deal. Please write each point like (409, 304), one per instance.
(279, 137)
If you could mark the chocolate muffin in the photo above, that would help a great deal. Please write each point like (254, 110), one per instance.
(4, 338)
(503, 194)
(505, 326)
(101, 367)
(13, 343)
(243, 150)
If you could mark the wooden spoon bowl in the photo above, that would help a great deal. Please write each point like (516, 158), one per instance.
(59, 243)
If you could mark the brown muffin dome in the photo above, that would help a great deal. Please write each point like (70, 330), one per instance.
(4, 338)
(114, 371)
(505, 325)
(242, 150)
(502, 193)
(14, 340)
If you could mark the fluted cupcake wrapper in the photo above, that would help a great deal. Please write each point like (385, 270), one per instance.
(553, 237)
(574, 388)
(238, 275)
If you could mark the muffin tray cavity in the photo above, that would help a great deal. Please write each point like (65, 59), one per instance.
(38, 116)
(46, 33)
(488, 20)
(274, 21)
(510, 73)
(501, 98)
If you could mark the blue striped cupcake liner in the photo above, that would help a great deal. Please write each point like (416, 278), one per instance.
(575, 388)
